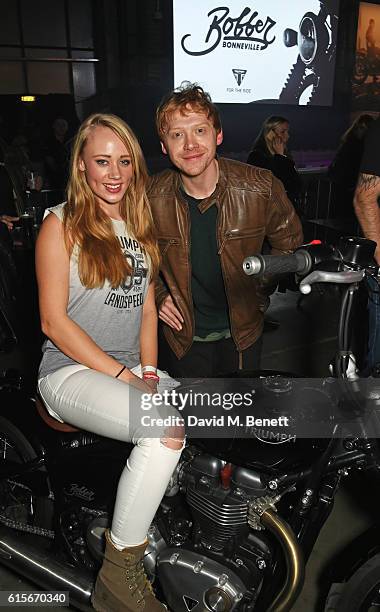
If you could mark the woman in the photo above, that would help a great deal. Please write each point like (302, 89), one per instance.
(270, 151)
(96, 256)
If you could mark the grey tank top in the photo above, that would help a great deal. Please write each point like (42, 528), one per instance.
(111, 317)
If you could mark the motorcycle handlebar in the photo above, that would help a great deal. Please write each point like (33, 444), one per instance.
(257, 265)
(351, 253)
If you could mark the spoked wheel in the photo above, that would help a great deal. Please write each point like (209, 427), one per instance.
(19, 507)
(361, 593)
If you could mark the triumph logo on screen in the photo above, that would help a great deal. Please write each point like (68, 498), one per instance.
(246, 32)
(239, 74)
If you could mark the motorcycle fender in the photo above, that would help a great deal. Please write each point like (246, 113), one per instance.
(23, 415)
(365, 546)
(37, 481)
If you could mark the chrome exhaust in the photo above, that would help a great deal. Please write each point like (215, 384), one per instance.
(39, 566)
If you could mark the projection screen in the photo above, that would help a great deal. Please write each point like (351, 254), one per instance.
(264, 51)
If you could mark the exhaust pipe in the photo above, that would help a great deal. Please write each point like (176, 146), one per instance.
(39, 566)
(294, 561)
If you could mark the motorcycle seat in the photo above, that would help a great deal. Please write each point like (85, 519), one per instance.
(51, 421)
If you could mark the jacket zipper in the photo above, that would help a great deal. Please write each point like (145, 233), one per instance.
(228, 234)
(188, 245)
(225, 278)
(234, 234)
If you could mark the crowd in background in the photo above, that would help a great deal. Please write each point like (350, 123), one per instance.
(32, 160)
(36, 158)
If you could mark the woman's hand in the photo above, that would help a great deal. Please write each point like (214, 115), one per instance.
(278, 145)
(9, 221)
(131, 379)
(152, 384)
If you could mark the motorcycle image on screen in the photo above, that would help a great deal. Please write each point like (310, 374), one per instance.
(240, 517)
(311, 76)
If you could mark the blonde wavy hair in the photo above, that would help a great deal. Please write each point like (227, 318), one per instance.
(264, 141)
(86, 225)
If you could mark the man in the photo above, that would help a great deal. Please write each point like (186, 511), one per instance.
(211, 213)
(368, 213)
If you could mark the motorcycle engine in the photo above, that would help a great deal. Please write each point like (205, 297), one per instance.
(215, 561)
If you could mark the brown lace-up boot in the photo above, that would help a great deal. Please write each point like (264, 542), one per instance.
(122, 585)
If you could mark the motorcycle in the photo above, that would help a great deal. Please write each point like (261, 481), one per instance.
(240, 516)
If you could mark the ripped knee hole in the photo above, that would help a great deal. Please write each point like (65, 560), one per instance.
(173, 443)
(174, 438)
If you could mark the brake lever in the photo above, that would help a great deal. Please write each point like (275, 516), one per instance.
(346, 277)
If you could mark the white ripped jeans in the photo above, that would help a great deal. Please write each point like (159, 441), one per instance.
(98, 403)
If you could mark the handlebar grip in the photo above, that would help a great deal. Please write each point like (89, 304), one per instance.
(273, 265)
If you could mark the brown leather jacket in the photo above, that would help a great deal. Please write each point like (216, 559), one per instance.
(252, 204)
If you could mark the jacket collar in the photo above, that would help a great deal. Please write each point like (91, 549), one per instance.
(216, 196)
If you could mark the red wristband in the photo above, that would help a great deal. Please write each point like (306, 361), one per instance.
(150, 376)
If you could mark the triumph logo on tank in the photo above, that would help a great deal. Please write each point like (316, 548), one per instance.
(190, 603)
(247, 31)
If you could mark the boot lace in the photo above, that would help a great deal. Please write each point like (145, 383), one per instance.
(140, 583)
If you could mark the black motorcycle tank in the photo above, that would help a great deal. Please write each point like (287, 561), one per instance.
(300, 403)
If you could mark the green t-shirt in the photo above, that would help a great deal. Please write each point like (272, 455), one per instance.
(207, 285)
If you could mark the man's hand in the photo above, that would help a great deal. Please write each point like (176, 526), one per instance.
(169, 314)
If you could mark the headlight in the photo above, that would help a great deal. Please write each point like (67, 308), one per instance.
(308, 38)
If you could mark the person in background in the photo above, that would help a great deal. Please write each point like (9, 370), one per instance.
(8, 211)
(96, 261)
(344, 169)
(25, 171)
(6, 226)
(270, 151)
(366, 204)
(211, 213)
(58, 154)
(370, 36)
(37, 151)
